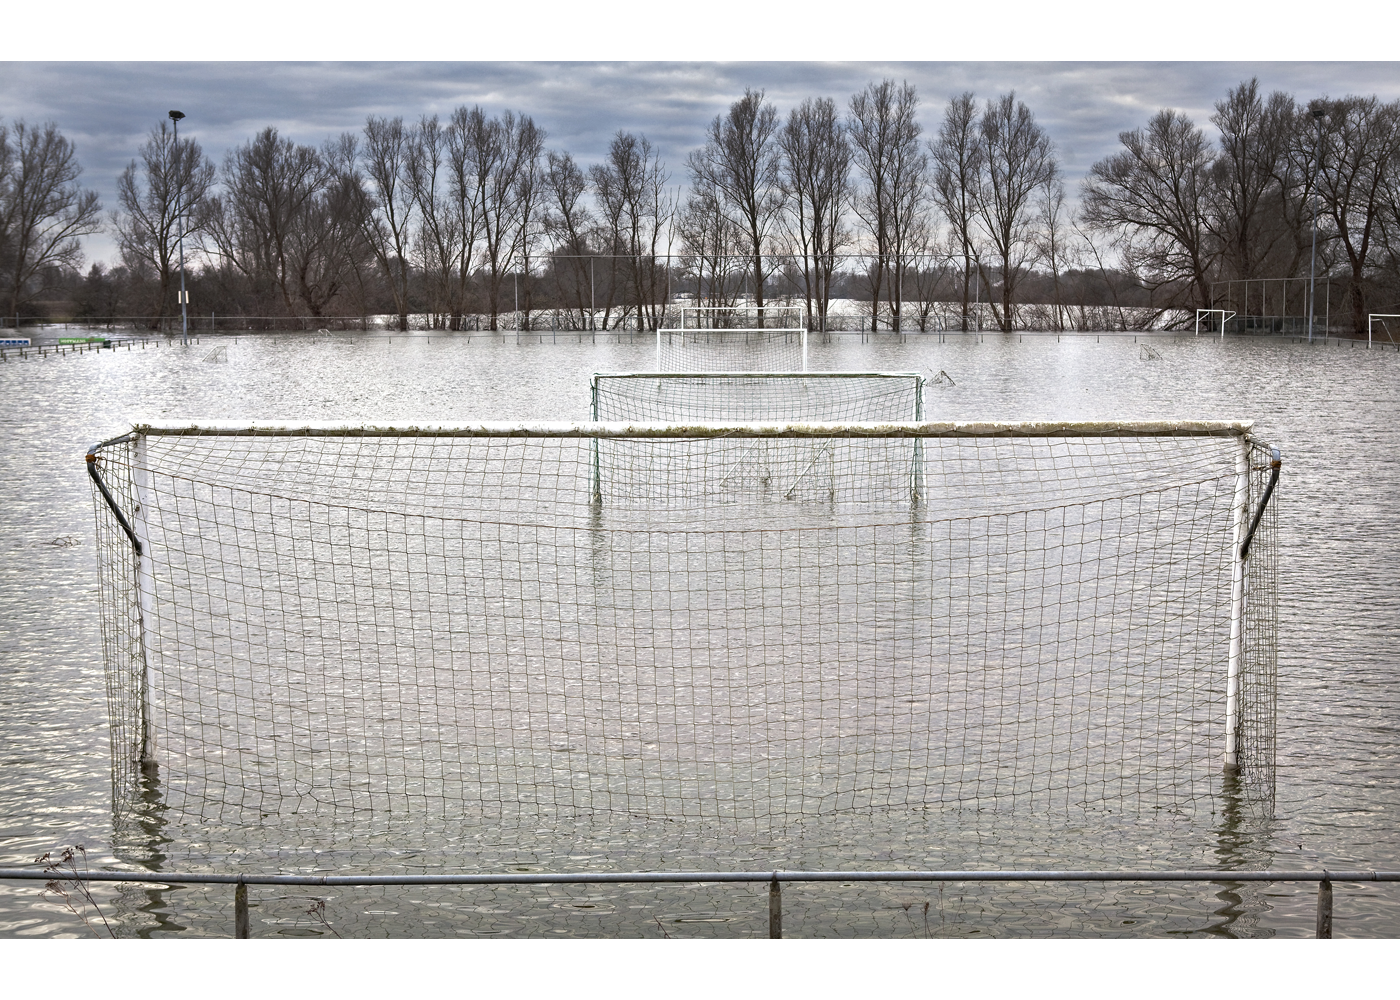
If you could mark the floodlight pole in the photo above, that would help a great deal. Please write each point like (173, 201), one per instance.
(1319, 112)
(175, 117)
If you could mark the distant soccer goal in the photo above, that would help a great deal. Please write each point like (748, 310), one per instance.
(1213, 317)
(798, 397)
(733, 339)
(1379, 320)
(328, 626)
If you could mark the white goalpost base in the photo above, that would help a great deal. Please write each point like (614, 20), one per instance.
(547, 625)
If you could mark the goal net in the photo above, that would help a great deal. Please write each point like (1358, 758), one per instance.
(733, 339)
(847, 397)
(512, 625)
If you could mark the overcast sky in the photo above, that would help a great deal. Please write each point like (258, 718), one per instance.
(107, 108)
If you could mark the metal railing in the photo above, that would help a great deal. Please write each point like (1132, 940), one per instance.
(774, 879)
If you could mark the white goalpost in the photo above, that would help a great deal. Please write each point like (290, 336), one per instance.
(1224, 314)
(354, 625)
(1371, 326)
(698, 397)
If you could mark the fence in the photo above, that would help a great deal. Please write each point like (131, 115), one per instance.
(775, 879)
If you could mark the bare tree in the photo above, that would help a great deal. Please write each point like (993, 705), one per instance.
(569, 225)
(712, 248)
(530, 201)
(1246, 195)
(171, 177)
(269, 183)
(1020, 160)
(740, 163)
(494, 152)
(43, 211)
(438, 241)
(1360, 138)
(389, 205)
(1058, 248)
(327, 251)
(959, 160)
(816, 177)
(1151, 197)
(631, 188)
(884, 135)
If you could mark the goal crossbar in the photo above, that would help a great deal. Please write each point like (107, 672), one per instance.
(656, 430)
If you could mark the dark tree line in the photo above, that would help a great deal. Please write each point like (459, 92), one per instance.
(472, 218)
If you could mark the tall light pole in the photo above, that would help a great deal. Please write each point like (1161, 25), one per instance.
(175, 117)
(1319, 112)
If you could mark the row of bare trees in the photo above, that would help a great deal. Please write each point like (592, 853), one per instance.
(1284, 177)
(828, 183)
(471, 216)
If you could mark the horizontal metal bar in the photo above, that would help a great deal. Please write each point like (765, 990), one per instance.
(829, 429)
(597, 878)
(728, 374)
(745, 330)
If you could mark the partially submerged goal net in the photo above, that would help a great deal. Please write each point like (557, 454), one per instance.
(846, 397)
(540, 625)
(733, 339)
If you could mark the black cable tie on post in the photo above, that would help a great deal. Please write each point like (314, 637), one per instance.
(1275, 462)
(106, 495)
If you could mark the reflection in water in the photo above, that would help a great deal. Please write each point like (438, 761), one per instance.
(139, 840)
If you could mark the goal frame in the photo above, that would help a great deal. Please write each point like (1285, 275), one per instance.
(919, 382)
(1225, 316)
(1371, 326)
(1244, 521)
(762, 311)
(786, 331)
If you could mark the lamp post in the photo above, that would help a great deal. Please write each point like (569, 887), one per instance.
(175, 117)
(1319, 112)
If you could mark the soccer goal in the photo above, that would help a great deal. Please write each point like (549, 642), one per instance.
(733, 339)
(799, 397)
(1209, 315)
(321, 624)
(784, 465)
(1385, 327)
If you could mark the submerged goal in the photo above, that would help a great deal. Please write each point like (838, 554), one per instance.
(318, 624)
(687, 397)
(733, 339)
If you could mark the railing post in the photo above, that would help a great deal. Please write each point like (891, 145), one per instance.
(240, 910)
(775, 908)
(1324, 908)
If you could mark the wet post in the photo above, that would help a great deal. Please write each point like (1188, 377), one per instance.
(240, 910)
(775, 908)
(1324, 908)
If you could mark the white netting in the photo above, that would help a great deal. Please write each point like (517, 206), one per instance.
(733, 339)
(846, 397)
(738, 317)
(733, 626)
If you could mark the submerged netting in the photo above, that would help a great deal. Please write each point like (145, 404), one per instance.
(739, 628)
(775, 396)
(770, 349)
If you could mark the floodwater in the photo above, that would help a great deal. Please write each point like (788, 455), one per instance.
(1333, 410)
